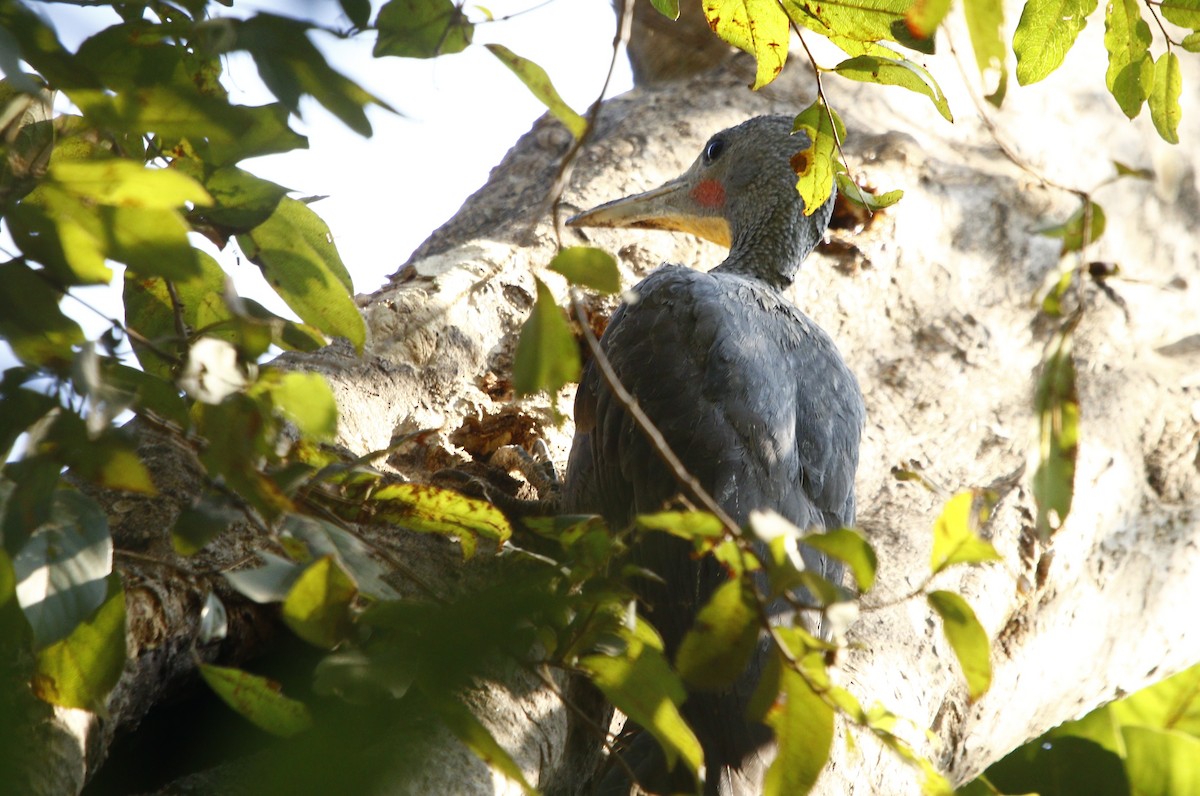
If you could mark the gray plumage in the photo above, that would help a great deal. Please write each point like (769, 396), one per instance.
(748, 391)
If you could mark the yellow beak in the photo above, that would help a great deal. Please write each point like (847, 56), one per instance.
(669, 206)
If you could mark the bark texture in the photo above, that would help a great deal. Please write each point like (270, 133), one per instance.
(933, 305)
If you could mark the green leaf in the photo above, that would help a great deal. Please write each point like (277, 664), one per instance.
(1161, 762)
(815, 166)
(478, 739)
(199, 524)
(1047, 30)
(759, 27)
(61, 569)
(864, 198)
(303, 398)
(643, 686)
(1130, 72)
(668, 8)
(1083, 228)
(539, 84)
(317, 608)
(1164, 97)
(241, 201)
(258, 699)
(955, 538)
(1059, 767)
(1184, 13)
(429, 509)
(589, 267)
(924, 16)
(358, 12)
(718, 646)
(1057, 405)
(422, 29)
(690, 525)
(30, 319)
(1170, 704)
(295, 250)
(1191, 42)
(967, 638)
(895, 72)
(852, 548)
(803, 725)
(325, 539)
(547, 356)
(80, 670)
(124, 183)
(985, 22)
(848, 21)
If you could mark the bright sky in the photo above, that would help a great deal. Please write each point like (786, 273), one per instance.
(459, 114)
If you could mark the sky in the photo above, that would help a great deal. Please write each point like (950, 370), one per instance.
(456, 117)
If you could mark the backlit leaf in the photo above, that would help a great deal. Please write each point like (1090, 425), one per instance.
(324, 538)
(199, 524)
(690, 525)
(317, 606)
(1164, 97)
(430, 509)
(1084, 227)
(815, 165)
(539, 84)
(895, 72)
(859, 20)
(80, 670)
(1047, 30)
(718, 646)
(1130, 74)
(641, 683)
(852, 548)
(547, 356)
(924, 16)
(304, 398)
(589, 267)
(803, 725)
(1057, 405)
(422, 29)
(668, 8)
(1161, 762)
(955, 536)
(864, 198)
(759, 27)
(269, 583)
(297, 255)
(258, 699)
(123, 183)
(967, 638)
(985, 23)
(30, 319)
(1184, 13)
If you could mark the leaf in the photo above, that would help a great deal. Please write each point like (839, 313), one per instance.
(985, 22)
(258, 699)
(324, 538)
(1047, 30)
(1184, 13)
(476, 737)
(303, 398)
(815, 165)
(61, 569)
(759, 27)
(422, 29)
(967, 638)
(641, 684)
(539, 84)
(1130, 72)
(1161, 762)
(895, 72)
(295, 250)
(955, 538)
(241, 201)
(123, 183)
(358, 12)
(1170, 704)
(668, 8)
(924, 16)
(864, 198)
(1164, 97)
(690, 525)
(30, 319)
(803, 725)
(199, 524)
(859, 21)
(587, 266)
(318, 604)
(82, 669)
(1083, 228)
(270, 583)
(429, 509)
(1057, 405)
(1063, 766)
(546, 357)
(852, 548)
(718, 646)
(1191, 42)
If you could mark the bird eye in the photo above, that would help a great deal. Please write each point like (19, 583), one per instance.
(713, 149)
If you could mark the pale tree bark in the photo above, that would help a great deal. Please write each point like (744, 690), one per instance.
(933, 304)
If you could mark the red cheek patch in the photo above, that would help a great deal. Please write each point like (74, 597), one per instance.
(709, 193)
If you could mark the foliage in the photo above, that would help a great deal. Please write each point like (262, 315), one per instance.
(149, 159)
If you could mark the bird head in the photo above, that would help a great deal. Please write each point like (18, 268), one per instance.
(744, 175)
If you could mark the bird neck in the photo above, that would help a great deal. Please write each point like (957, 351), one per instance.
(770, 246)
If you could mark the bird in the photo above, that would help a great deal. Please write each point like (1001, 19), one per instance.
(748, 391)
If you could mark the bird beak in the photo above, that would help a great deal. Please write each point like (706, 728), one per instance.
(669, 206)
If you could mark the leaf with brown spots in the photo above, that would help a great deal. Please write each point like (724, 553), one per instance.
(760, 27)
